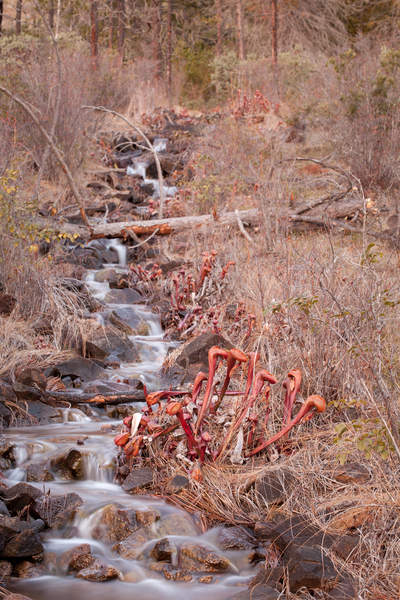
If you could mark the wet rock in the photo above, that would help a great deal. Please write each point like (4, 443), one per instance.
(171, 573)
(275, 486)
(138, 479)
(99, 572)
(120, 324)
(309, 568)
(192, 356)
(42, 413)
(20, 496)
(146, 518)
(5, 571)
(130, 547)
(105, 343)
(351, 473)
(89, 258)
(106, 275)
(127, 314)
(115, 524)
(259, 592)
(177, 484)
(121, 410)
(236, 538)
(7, 451)
(7, 303)
(57, 511)
(23, 545)
(176, 524)
(124, 296)
(38, 472)
(164, 550)
(29, 384)
(76, 559)
(296, 531)
(82, 368)
(27, 570)
(3, 509)
(194, 557)
(68, 465)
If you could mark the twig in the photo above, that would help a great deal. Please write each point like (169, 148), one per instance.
(241, 227)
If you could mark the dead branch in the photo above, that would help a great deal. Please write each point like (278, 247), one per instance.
(74, 189)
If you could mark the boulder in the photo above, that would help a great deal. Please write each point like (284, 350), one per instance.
(192, 356)
(123, 296)
(194, 557)
(258, 592)
(76, 559)
(138, 479)
(275, 486)
(99, 572)
(177, 523)
(20, 496)
(68, 465)
(115, 524)
(7, 303)
(177, 484)
(131, 546)
(164, 550)
(57, 511)
(351, 473)
(38, 472)
(76, 368)
(26, 570)
(308, 567)
(23, 545)
(146, 518)
(106, 342)
(236, 538)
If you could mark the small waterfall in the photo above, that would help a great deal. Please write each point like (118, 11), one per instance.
(120, 250)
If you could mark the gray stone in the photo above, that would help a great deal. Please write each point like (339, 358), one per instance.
(138, 479)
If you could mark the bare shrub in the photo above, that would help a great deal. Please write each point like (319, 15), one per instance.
(35, 79)
(367, 127)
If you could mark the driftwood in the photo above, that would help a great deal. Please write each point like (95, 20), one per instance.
(96, 400)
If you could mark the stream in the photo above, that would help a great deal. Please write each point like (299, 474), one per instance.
(91, 433)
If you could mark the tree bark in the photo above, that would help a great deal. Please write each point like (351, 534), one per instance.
(94, 31)
(18, 17)
(169, 52)
(1, 16)
(156, 36)
(218, 9)
(52, 11)
(239, 26)
(113, 24)
(274, 26)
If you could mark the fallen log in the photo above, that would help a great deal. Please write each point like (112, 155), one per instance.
(97, 399)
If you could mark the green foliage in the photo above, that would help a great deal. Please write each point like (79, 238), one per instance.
(225, 74)
(366, 434)
(196, 68)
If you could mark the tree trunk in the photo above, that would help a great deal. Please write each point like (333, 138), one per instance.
(94, 35)
(121, 25)
(239, 26)
(274, 25)
(18, 17)
(218, 8)
(113, 24)
(58, 15)
(156, 36)
(169, 52)
(51, 14)
(1, 15)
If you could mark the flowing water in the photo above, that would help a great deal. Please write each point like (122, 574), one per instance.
(91, 433)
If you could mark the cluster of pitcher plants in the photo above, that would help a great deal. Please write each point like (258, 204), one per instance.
(201, 426)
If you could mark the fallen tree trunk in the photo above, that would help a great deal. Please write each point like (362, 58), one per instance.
(96, 400)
